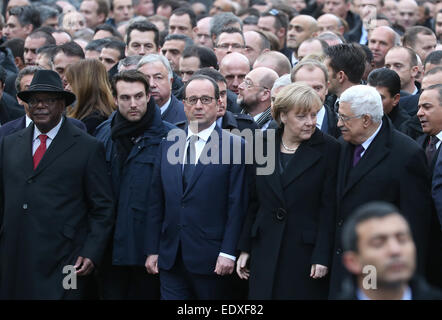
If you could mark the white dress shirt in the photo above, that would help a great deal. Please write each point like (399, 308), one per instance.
(51, 136)
(367, 142)
(439, 136)
(362, 296)
(203, 136)
(320, 117)
(28, 121)
(164, 107)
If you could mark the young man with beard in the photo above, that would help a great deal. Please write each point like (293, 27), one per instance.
(131, 136)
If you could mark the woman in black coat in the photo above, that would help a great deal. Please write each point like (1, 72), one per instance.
(288, 232)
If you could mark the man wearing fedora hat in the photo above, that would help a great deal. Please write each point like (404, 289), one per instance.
(56, 210)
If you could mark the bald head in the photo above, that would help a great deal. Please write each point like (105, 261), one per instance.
(234, 57)
(234, 68)
(407, 13)
(256, 43)
(274, 60)
(300, 28)
(265, 77)
(256, 98)
(330, 22)
(380, 40)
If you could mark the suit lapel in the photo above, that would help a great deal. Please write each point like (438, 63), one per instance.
(62, 142)
(375, 153)
(305, 157)
(25, 147)
(216, 134)
(345, 165)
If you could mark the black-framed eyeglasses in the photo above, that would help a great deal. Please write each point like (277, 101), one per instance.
(249, 84)
(194, 100)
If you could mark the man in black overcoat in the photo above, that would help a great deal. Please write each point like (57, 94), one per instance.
(56, 200)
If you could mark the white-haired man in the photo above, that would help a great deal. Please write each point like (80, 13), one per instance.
(378, 163)
(159, 73)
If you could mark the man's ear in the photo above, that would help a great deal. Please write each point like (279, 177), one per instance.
(341, 76)
(351, 262)
(280, 33)
(414, 71)
(102, 17)
(28, 28)
(396, 99)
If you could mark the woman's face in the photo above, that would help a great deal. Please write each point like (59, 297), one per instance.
(299, 126)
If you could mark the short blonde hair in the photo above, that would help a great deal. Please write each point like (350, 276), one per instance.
(298, 96)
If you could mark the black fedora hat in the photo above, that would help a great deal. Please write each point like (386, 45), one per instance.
(46, 81)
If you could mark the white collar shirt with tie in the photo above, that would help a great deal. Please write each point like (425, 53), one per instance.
(51, 136)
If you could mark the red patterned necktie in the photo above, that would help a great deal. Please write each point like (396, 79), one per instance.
(40, 150)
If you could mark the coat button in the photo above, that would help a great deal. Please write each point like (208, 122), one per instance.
(280, 214)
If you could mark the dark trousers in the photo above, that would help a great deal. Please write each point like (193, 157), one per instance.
(180, 284)
(128, 283)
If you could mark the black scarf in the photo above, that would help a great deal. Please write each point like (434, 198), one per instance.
(125, 133)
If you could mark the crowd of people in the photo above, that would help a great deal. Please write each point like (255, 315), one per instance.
(221, 149)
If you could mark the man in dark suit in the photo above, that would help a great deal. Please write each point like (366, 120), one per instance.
(157, 69)
(346, 65)
(9, 109)
(430, 115)
(56, 200)
(378, 163)
(377, 235)
(410, 103)
(388, 84)
(226, 119)
(194, 226)
(314, 73)
(24, 79)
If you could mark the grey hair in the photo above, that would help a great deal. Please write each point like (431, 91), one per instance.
(129, 61)
(31, 70)
(154, 58)
(364, 100)
(47, 12)
(223, 20)
(282, 81)
(328, 35)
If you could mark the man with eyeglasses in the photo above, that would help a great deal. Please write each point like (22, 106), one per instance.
(229, 40)
(378, 163)
(255, 95)
(198, 206)
(57, 200)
